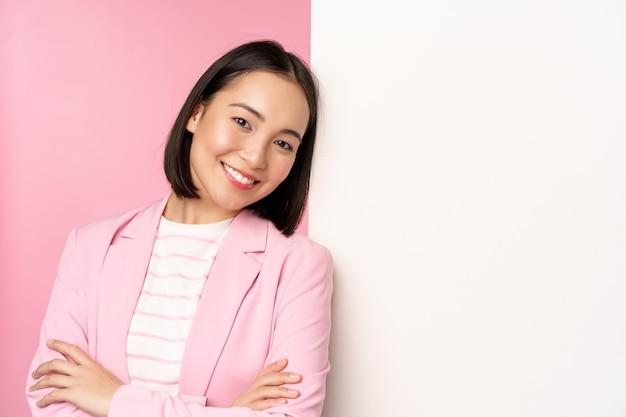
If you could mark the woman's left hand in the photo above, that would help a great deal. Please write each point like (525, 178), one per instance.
(78, 380)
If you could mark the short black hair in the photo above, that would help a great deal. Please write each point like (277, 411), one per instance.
(285, 205)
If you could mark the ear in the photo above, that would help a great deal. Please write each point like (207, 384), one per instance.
(194, 119)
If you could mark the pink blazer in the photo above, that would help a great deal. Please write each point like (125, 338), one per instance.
(267, 297)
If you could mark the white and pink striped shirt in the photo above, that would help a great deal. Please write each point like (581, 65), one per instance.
(181, 259)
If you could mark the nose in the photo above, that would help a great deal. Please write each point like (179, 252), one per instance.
(255, 153)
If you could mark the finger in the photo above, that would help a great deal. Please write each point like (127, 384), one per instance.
(56, 396)
(265, 404)
(278, 378)
(58, 366)
(52, 381)
(278, 392)
(261, 394)
(275, 367)
(266, 392)
(70, 351)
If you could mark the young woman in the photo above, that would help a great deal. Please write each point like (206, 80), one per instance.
(203, 303)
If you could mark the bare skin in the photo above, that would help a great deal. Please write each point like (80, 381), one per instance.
(267, 390)
(89, 386)
(244, 145)
(78, 380)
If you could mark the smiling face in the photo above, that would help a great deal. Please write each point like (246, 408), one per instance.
(244, 143)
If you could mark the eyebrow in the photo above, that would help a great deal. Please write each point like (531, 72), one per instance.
(262, 118)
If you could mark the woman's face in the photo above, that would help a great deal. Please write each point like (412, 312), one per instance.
(245, 140)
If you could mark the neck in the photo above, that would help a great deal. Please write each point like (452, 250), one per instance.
(193, 211)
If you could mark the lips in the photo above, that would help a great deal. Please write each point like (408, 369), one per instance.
(238, 177)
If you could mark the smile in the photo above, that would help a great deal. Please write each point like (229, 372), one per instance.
(237, 176)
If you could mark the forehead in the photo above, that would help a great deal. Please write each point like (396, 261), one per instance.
(255, 77)
(275, 96)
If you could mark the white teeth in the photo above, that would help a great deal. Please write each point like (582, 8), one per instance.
(236, 175)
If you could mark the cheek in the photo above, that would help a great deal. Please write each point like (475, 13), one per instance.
(220, 142)
(216, 139)
(283, 168)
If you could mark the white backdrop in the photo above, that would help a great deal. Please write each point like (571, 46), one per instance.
(471, 183)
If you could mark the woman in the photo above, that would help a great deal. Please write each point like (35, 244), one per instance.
(202, 303)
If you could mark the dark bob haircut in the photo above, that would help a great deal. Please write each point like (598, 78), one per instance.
(285, 205)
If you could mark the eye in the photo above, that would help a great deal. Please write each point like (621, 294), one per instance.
(242, 122)
(284, 144)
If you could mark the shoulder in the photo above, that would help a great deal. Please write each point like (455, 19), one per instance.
(107, 229)
(296, 249)
(261, 240)
(255, 234)
(304, 268)
(297, 241)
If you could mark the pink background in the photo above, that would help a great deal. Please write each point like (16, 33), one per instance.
(89, 92)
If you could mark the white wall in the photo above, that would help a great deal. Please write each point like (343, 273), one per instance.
(471, 183)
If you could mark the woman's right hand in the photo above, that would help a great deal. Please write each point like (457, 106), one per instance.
(267, 389)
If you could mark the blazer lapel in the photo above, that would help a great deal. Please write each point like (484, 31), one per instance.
(123, 274)
(230, 278)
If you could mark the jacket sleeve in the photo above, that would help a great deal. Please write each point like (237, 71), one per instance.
(65, 320)
(302, 331)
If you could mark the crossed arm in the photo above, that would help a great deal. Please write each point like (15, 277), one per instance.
(81, 381)
(65, 379)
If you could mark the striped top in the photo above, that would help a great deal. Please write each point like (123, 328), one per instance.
(181, 259)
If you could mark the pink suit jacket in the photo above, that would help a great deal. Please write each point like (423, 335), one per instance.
(267, 297)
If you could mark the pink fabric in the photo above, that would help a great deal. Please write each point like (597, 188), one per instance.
(88, 93)
(267, 298)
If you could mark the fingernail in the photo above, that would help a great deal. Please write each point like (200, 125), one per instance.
(292, 392)
(293, 377)
(49, 342)
(31, 388)
(281, 401)
(282, 362)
